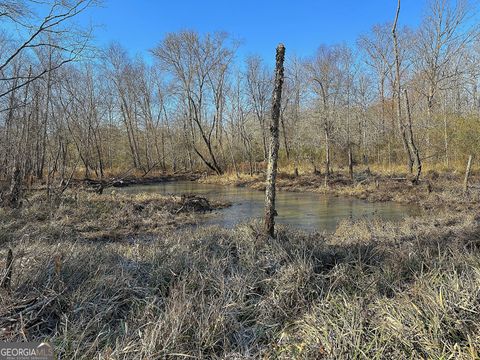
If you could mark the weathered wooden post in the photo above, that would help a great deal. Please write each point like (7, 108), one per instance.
(467, 175)
(270, 212)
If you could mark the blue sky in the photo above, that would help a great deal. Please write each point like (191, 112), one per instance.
(140, 24)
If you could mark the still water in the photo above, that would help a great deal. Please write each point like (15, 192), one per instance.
(309, 211)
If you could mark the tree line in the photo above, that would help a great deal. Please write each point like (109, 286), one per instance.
(398, 96)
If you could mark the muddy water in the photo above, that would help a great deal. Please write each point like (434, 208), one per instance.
(309, 211)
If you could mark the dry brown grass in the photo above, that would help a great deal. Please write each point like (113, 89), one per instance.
(86, 215)
(371, 290)
(435, 191)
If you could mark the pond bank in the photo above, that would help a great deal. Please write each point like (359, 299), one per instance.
(118, 182)
(436, 191)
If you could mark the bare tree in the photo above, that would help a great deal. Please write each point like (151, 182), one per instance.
(54, 31)
(199, 66)
(259, 90)
(295, 87)
(40, 48)
(411, 141)
(398, 89)
(441, 45)
(327, 77)
(377, 47)
(197, 108)
(270, 211)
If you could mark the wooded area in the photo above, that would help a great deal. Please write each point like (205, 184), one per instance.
(366, 153)
(400, 96)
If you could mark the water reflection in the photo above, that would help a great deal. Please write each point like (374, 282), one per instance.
(309, 211)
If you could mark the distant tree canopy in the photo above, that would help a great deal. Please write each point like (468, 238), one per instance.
(198, 107)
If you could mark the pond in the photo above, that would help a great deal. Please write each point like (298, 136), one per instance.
(305, 210)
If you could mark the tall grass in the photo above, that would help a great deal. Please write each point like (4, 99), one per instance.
(371, 290)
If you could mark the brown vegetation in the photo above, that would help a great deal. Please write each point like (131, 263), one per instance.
(85, 215)
(105, 275)
(436, 190)
(372, 289)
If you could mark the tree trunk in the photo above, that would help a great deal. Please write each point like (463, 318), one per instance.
(274, 144)
(445, 133)
(430, 97)
(14, 194)
(327, 148)
(467, 175)
(350, 162)
(234, 162)
(411, 141)
(285, 142)
(398, 91)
